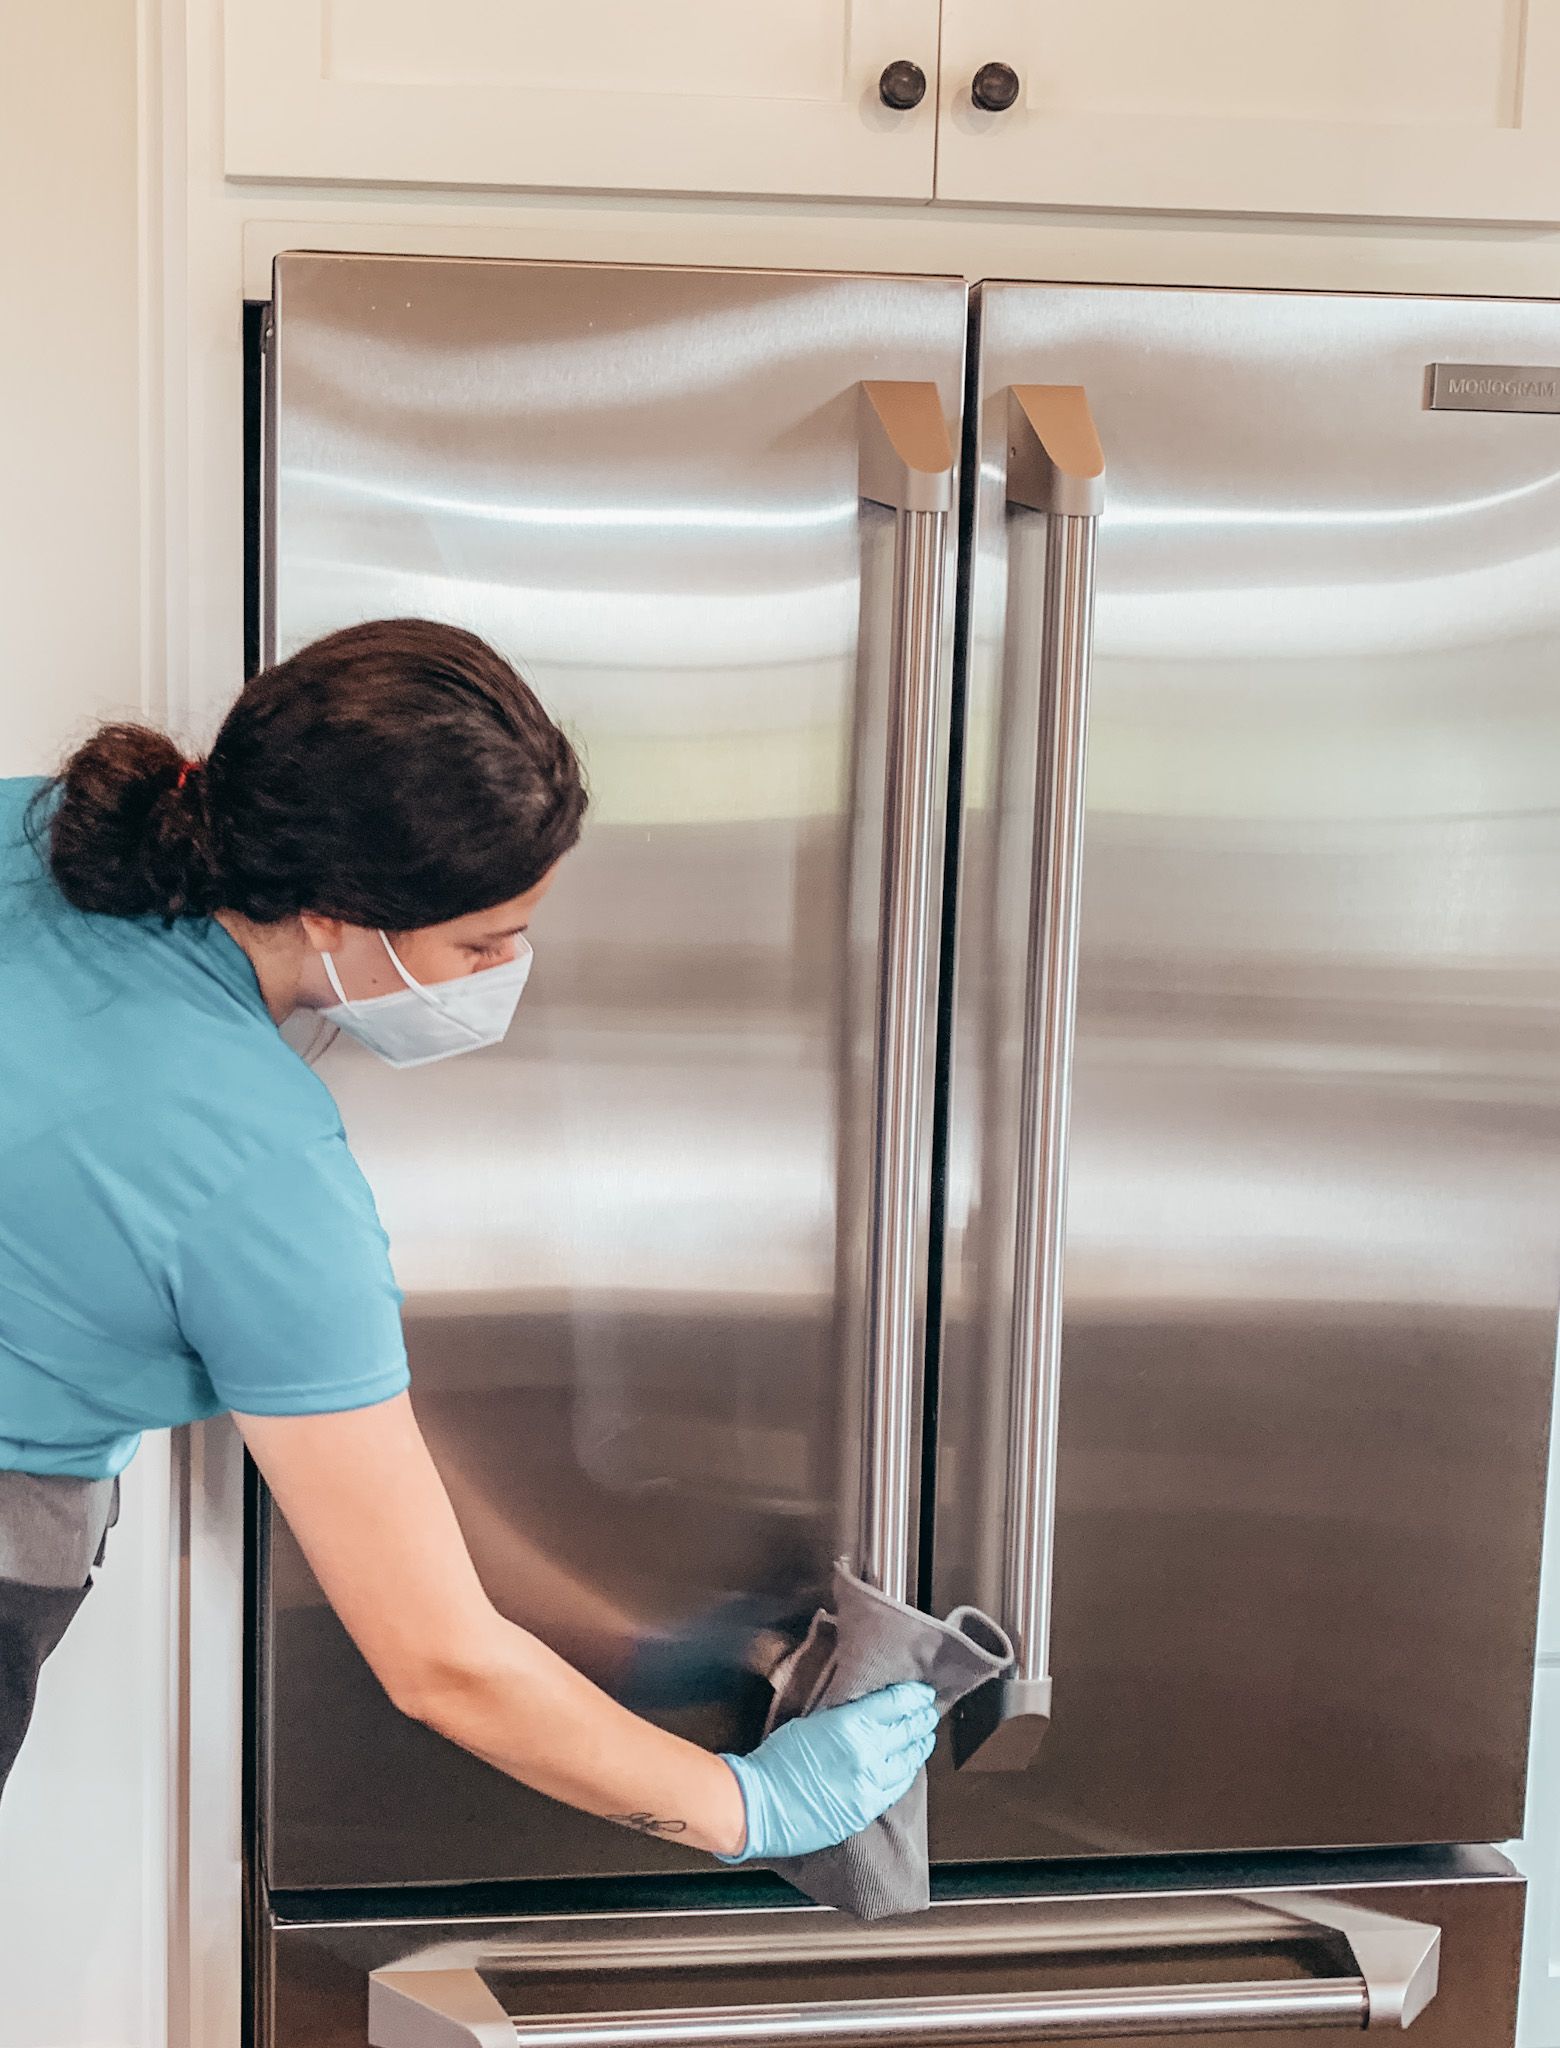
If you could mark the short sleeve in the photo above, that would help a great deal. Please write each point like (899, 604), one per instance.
(283, 1289)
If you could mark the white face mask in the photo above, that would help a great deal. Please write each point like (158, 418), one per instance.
(415, 1025)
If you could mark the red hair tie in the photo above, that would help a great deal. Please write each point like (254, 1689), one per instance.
(186, 770)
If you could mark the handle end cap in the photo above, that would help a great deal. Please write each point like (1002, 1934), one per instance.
(1001, 1726)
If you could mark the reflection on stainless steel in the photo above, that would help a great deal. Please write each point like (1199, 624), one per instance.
(633, 1238)
(1312, 1236)
(906, 464)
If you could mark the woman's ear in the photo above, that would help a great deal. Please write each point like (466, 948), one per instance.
(324, 934)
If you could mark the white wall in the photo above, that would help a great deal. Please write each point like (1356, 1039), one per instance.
(69, 471)
(1538, 1853)
(83, 1825)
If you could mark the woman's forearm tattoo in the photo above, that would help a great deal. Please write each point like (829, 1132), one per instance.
(648, 1824)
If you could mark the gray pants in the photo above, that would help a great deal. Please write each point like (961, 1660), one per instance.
(52, 1532)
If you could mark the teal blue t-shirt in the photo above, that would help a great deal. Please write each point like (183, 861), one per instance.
(182, 1226)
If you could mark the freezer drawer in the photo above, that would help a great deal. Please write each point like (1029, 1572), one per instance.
(1307, 1947)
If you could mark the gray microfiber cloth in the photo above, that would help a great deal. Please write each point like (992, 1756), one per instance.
(869, 1641)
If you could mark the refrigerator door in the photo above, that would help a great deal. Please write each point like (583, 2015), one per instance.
(664, 1250)
(1270, 1534)
(1220, 1961)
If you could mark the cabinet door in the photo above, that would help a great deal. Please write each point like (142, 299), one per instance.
(1444, 109)
(705, 96)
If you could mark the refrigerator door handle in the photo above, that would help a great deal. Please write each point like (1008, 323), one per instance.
(1056, 468)
(906, 464)
(1396, 1967)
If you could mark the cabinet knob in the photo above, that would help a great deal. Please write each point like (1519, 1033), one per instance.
(994, 88)
(902, 86)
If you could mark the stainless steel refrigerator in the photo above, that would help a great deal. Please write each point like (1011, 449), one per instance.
(1042, 1078)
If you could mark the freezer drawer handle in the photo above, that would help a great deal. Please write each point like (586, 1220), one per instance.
(906, 465)
(1396, 1963)
(1056, 468)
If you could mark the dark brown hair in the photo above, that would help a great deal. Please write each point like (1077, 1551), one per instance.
(395, 774)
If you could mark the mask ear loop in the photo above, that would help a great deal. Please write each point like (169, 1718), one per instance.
(427, 995)
(353, 1002)
(334, 979)
(416, 987)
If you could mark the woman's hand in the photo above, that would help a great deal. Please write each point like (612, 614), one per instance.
(818, 1781)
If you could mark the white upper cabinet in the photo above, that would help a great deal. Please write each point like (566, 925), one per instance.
(1393, 109)
(697, 96)
(1436, 109)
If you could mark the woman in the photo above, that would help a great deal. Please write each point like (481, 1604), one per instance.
(183, 1229)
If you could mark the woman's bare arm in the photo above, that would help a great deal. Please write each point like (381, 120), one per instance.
(370, 1512)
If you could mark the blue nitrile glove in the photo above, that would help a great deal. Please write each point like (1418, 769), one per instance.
(822, 1779)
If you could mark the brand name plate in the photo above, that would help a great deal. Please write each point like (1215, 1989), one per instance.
(1493, 387)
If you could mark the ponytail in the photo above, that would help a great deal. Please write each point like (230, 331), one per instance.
(127, 829)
